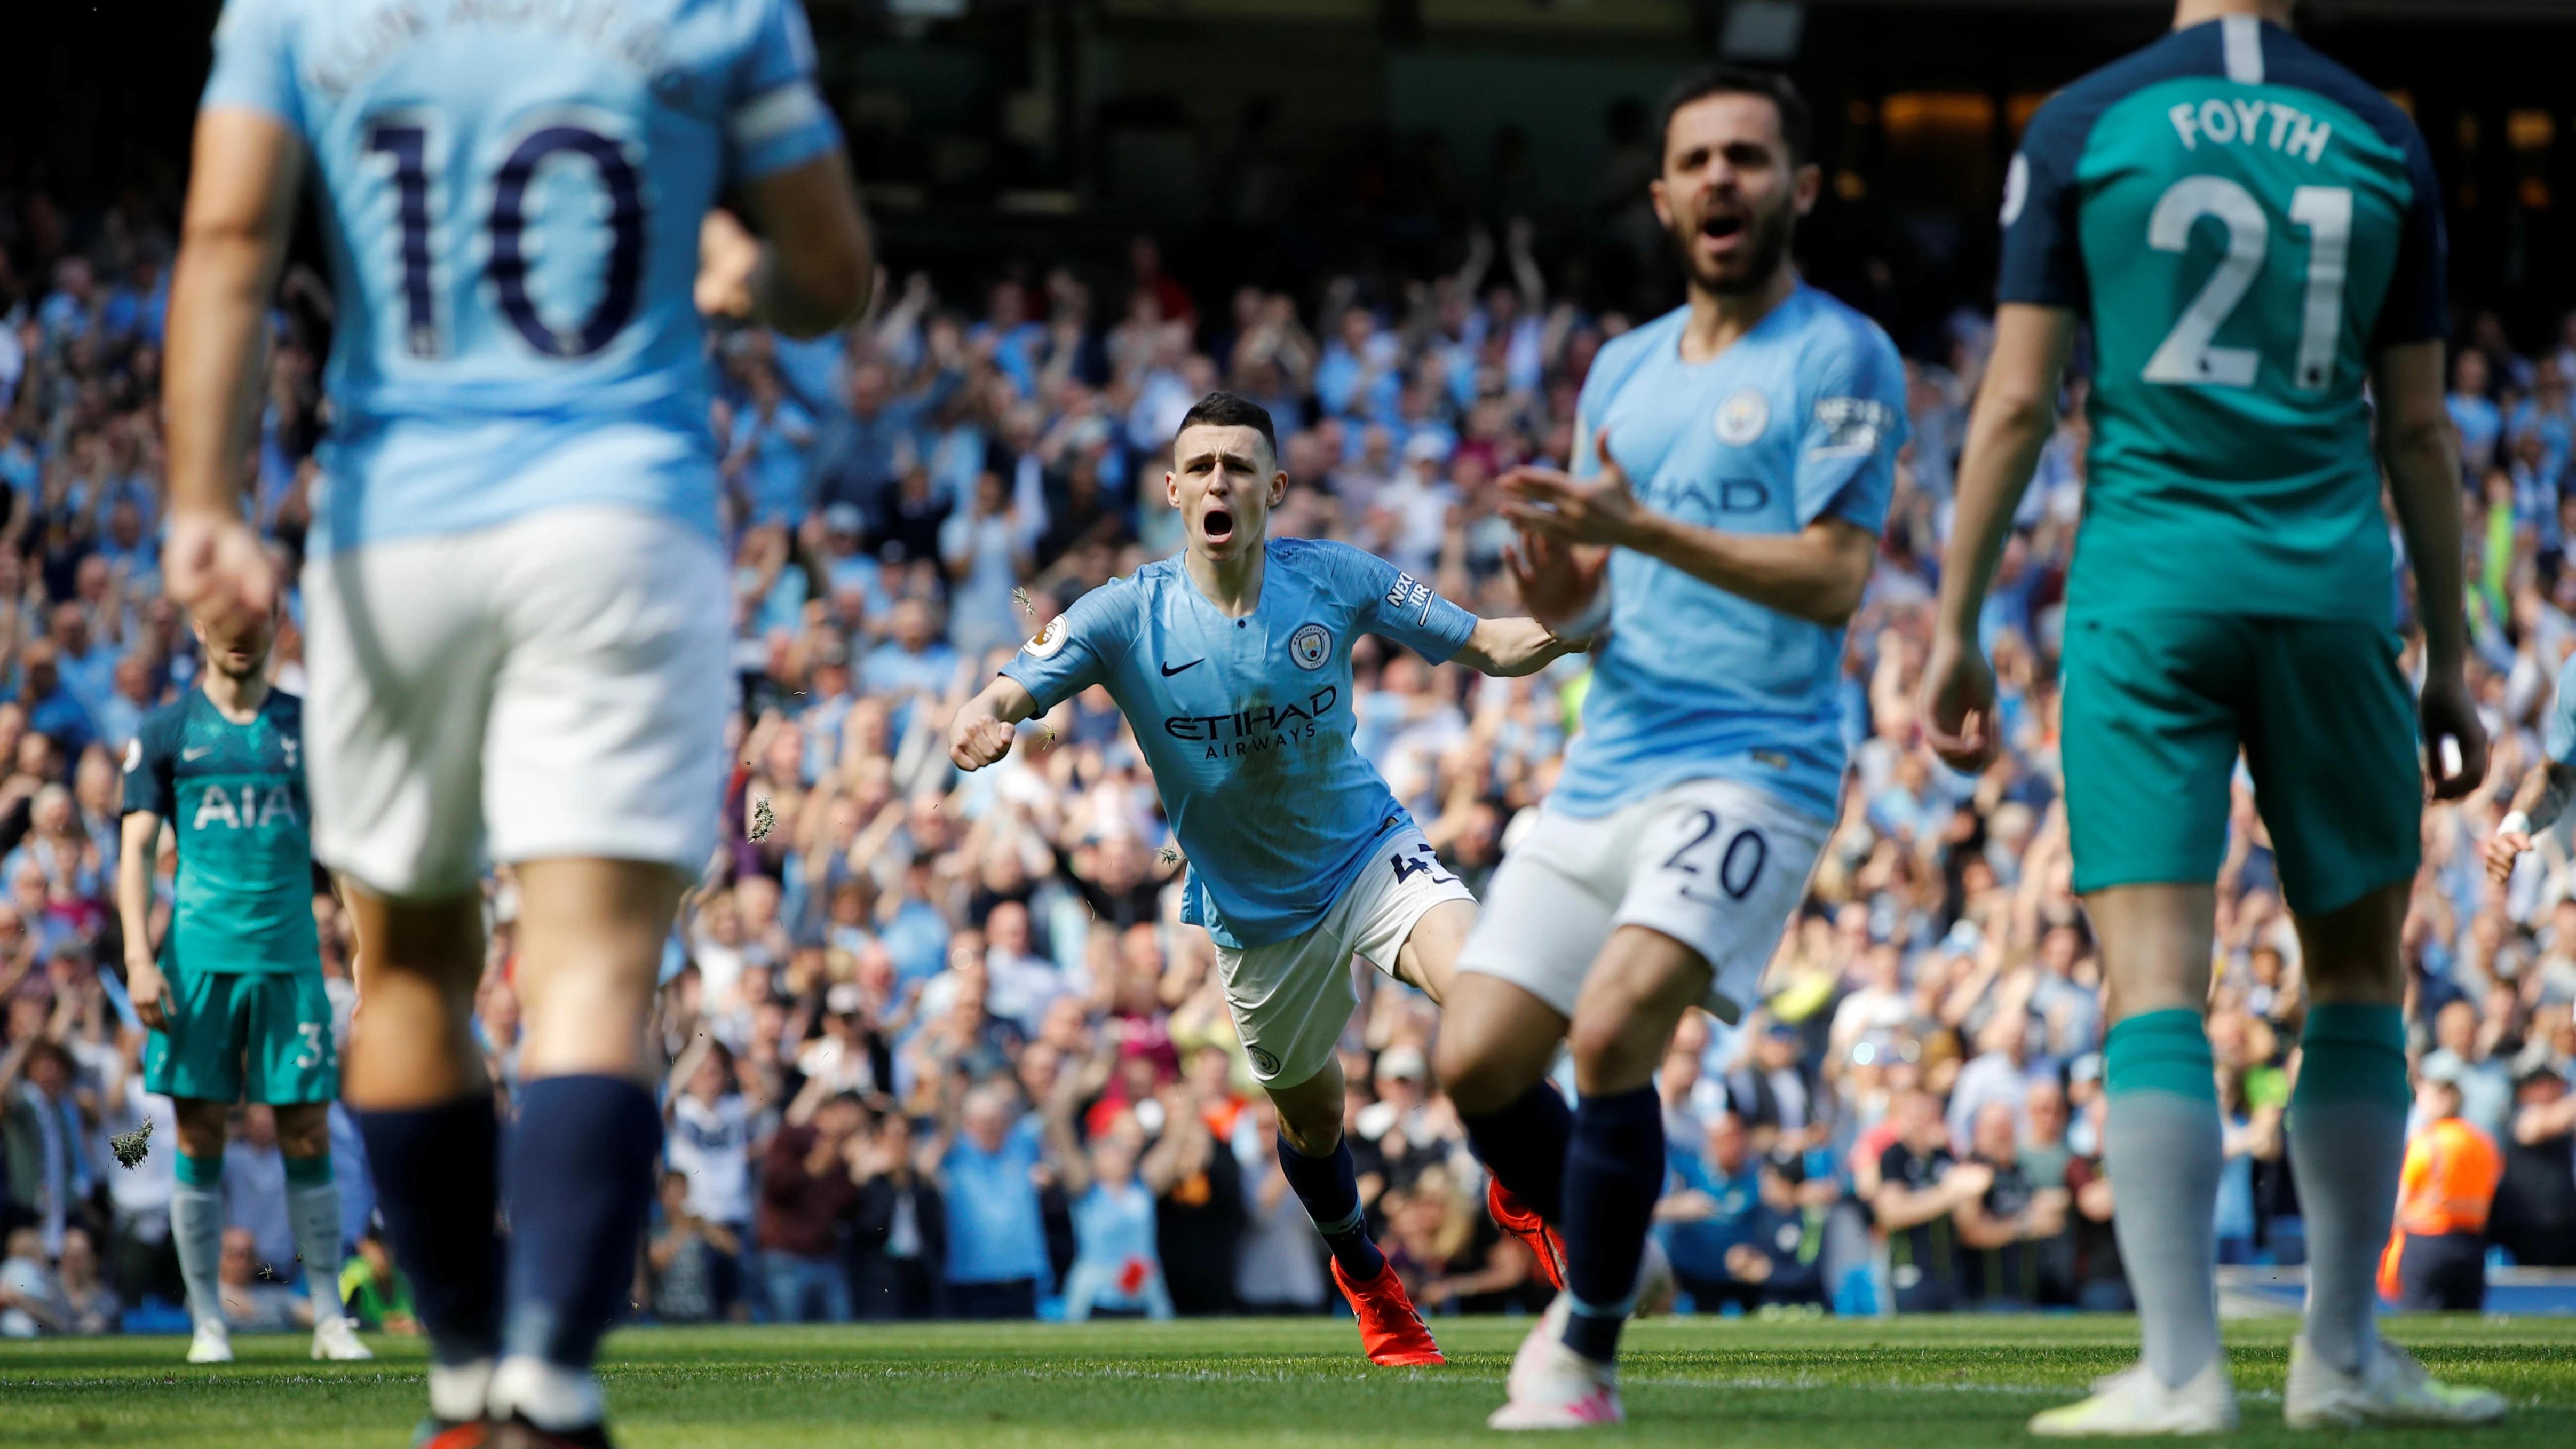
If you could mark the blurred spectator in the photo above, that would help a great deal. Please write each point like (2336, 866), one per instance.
(900, 1229)
(253, 1301)
(2535, 1205)
(682, 1258)
(808, 1190)
(989, 1161)
(377, 1295)
(1711, 1207)
(2014, 1248)
(31, 1296)
(1921, 1189)
(2437, 1256)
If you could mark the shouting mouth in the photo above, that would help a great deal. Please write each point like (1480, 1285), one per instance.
(1218, 525)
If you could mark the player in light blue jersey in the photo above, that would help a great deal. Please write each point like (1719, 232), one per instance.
(515, 599)
(1734, 468)
(2547, 788)
(1232, 663)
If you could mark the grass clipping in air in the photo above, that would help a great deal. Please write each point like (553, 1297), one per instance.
(762, 818)
(132, 1147)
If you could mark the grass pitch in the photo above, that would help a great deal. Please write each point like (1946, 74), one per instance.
(1871, 1384)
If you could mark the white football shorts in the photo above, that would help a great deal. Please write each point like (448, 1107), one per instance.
(1291, 999)
(1716, 865)
(554, 686)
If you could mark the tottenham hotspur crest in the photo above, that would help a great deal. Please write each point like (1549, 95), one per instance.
(1310, 646)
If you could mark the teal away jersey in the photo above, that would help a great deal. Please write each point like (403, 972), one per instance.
(234, 795)
(513, 193)
(2246, 224)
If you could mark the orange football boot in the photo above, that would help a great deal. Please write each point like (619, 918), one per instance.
(1390, 1330)
(1534, 1233)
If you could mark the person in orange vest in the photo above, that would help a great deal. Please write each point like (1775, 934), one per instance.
(2436, 1257)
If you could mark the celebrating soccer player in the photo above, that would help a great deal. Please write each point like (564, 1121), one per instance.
(1733, 468)
(234, 995)
(2255, 235)
(1233, 664)
(515, 601)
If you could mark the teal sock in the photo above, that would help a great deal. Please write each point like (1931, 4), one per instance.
(197, 1171)
(2163, 1149)
(309, 1171)
(2348, 1145)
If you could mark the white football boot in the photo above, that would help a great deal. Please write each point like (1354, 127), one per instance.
(2392, 1388)
(1552, 1386)
(336, 1338)
(2138, 1403)
(213, 1344)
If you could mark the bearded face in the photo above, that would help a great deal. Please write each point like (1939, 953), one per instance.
(1730, 195)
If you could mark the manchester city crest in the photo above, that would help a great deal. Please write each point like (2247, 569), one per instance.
(1741, 418)
(1310, 646)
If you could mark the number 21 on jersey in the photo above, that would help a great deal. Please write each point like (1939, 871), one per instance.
(2187, 354)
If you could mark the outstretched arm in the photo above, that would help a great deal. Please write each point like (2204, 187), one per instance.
(2424, 483)
(981, 734)
(2536, 806)
(1512, 647)
(240, 210)
(1816, 574)
(2016, 409)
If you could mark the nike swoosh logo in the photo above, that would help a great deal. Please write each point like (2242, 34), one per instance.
(1171, 669)
(199, 752)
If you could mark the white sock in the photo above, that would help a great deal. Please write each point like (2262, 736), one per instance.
(315, 1211)
(547, 1395)
(460, 1392)
(2164, 1152)
(197, 1227)
(2347, 1155)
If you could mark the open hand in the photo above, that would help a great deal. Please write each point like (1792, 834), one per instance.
(1595, 510)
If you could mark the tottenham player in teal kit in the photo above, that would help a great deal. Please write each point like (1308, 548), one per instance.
(515, 599)
(1232, 663)
(1734, 466)
(2254, 235)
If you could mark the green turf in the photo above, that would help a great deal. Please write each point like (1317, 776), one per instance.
(1234, 1385)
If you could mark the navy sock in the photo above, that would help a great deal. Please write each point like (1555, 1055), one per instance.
(436, 1173)
(581, 1181)
(1330, 1189)
(1614, 1170)
(1523, 1145)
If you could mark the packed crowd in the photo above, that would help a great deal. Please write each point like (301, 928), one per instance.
(940, 1044)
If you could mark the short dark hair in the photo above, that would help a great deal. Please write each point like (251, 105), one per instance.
(1797, 124)
(1228, 410)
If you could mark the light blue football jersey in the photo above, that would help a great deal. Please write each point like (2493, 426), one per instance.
(513, 192)
(1800, 419)
(1247, 722)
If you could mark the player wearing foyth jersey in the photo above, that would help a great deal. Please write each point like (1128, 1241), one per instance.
(2255, 236)
(514, 594)
(233, 995)
(1733, 464)
(1232, 663)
